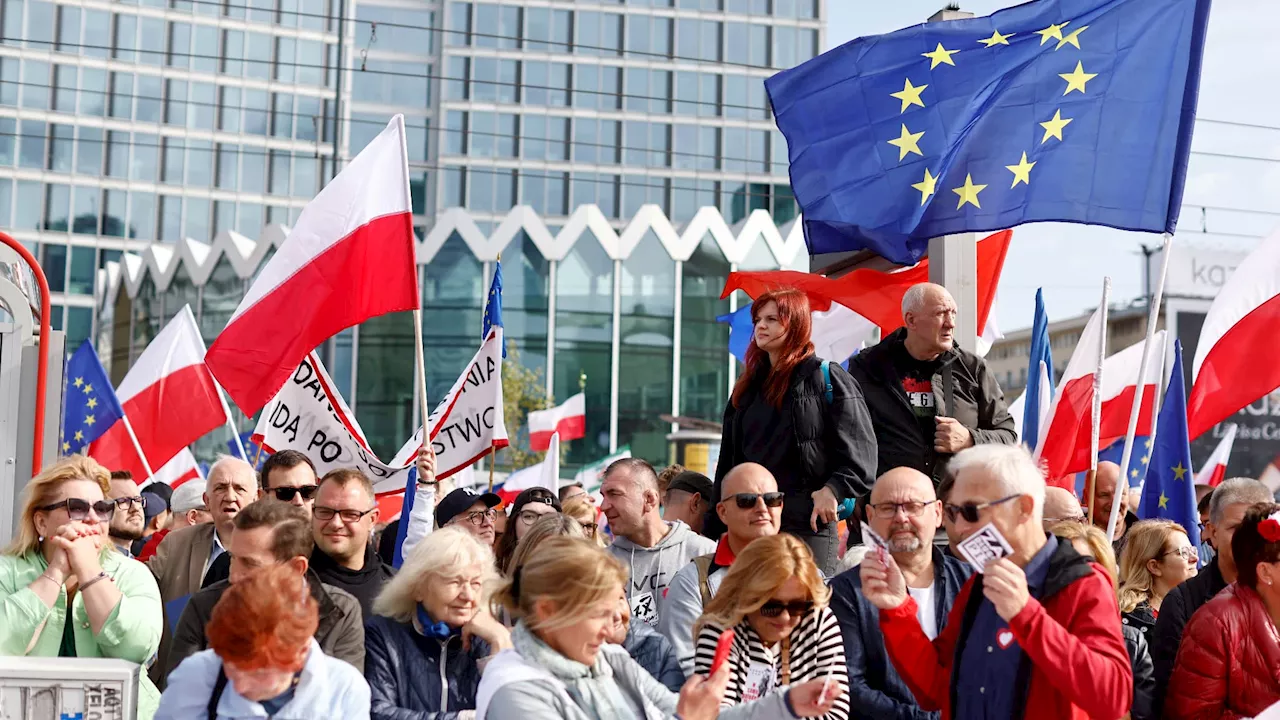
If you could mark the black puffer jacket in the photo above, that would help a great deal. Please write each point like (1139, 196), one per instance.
(408, 673)
(653, 652)
(1144, 673)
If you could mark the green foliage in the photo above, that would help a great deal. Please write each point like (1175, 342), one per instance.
(523, 390)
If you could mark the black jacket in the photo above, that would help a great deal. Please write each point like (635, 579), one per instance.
(833, 443)
(364, 584)
(653, 652)
(1142, 619)
(1144, 681)
(340, 633)
(407, 672)
(963, 388)
(875, 688)
(1175, 612)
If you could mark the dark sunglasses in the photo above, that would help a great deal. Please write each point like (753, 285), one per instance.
(746, 501)
(795, 608)
(285, 494)
(78, 509)
(970, 511)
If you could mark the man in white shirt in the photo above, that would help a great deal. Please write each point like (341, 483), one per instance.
(905, 511)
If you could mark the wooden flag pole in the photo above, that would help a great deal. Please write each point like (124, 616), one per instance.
(492, 458)
(137, 447)
(1096, 409)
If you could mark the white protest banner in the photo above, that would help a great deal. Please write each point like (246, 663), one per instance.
(469, 420)
(310, 416)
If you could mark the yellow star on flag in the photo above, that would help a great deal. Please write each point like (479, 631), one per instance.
(909, 142)
(1134, 472)
(1149, 441)
(969, 192)
(79, 381)
(1179, 472)
(1021, 171)
(940, 55)
(1077, 79)
(93, 403)
(926, 186)
(79, 436)
(1072, 39)
(1052, 32)
(909, 96)
(997, 39)
(1164, 501)
(88, 389)
(88, 420)
(1053, 128)
(66, 447)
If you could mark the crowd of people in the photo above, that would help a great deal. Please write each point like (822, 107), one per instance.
(755, 594)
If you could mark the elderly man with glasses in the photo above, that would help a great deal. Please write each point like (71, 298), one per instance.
(1038, 630)
(905, 512)
(1061, 505)
(470, 511)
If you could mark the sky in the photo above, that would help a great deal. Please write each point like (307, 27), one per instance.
(1235, 199)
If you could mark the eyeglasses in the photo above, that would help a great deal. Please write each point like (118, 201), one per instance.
(889, 510)
(78, 510)
(1188, 553)
(124, 502)
(325, 514)
(589, 529)
(479, 516)
(285, 494)
(969, 511)
(746, 501)
(774, 608)
(529, 517)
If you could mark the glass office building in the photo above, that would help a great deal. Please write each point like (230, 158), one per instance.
(188, 134)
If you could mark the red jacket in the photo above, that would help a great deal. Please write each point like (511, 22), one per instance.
(1229, 661)
(152, 544)
(1075, 664)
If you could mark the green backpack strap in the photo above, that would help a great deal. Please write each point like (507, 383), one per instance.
(828, 391)
(703, 563)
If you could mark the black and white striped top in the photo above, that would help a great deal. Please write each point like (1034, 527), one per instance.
(817, 648)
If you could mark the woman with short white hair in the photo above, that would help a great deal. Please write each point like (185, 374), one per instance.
(431, 622)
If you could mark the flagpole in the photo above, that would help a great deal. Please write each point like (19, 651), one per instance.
(1153, 315)
(226, 412)
(420, 361)
(492, 457)
(1155, 416)
(1095, 414)
(137, 447)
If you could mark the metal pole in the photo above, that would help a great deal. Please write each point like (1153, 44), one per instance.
(337, 94)
(1095, 414)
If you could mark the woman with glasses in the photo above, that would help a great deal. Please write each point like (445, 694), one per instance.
(1157, 557)
(801, 417)
(529, 506)
(64, 590)
(584, 511)
(432, 634)
(785, 635)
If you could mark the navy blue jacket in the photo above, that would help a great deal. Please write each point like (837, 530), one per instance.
(875, 688)
(407, 672)
(653, 651)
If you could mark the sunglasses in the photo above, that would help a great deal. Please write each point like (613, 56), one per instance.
(970, 511)
(285, 494)
(795, 608)
(78, 510)
(746, 501)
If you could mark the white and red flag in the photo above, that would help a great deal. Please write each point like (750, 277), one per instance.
(169, 397)
(569, 419)
(182, 468)
(350, 257)
(1235, 356)
(1064, 446)
(545, 474)
(1215, 469)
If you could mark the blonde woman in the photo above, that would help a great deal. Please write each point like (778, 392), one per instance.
(431, 622)
(785, 634)
(585, 512)
(64, 590)
(1157, 557)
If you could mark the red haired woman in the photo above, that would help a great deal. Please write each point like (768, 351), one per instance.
(804, 419)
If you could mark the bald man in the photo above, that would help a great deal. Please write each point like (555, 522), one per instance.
(1104, 494)
(905, 512)
(750, 507)
(1061, 505)
(928, 398)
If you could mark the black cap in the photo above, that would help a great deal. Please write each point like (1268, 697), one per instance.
(457, 502)
(692, 482)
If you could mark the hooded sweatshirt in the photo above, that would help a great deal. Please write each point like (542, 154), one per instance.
(364, 584)
(652, 569)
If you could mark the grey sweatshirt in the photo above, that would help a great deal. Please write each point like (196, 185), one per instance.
(653, 569)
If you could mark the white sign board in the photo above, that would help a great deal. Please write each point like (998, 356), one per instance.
(1194, 271)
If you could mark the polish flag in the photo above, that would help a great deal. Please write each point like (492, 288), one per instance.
(545, 474)
(1215, 469)
(169, 397)
(839, 333)
(182, 468)
(350, 257)
(1234, 363)
(568, 419)
(1064, 446)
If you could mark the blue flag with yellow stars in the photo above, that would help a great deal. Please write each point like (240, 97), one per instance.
(89, 404)
(1170, 492)
(493, 306)
(1055, 110)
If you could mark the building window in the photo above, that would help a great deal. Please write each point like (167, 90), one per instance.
(584, 331)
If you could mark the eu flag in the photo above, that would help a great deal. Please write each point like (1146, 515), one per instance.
(89, 405)
(493, 306)
(1056, 110)
(1170, 490)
